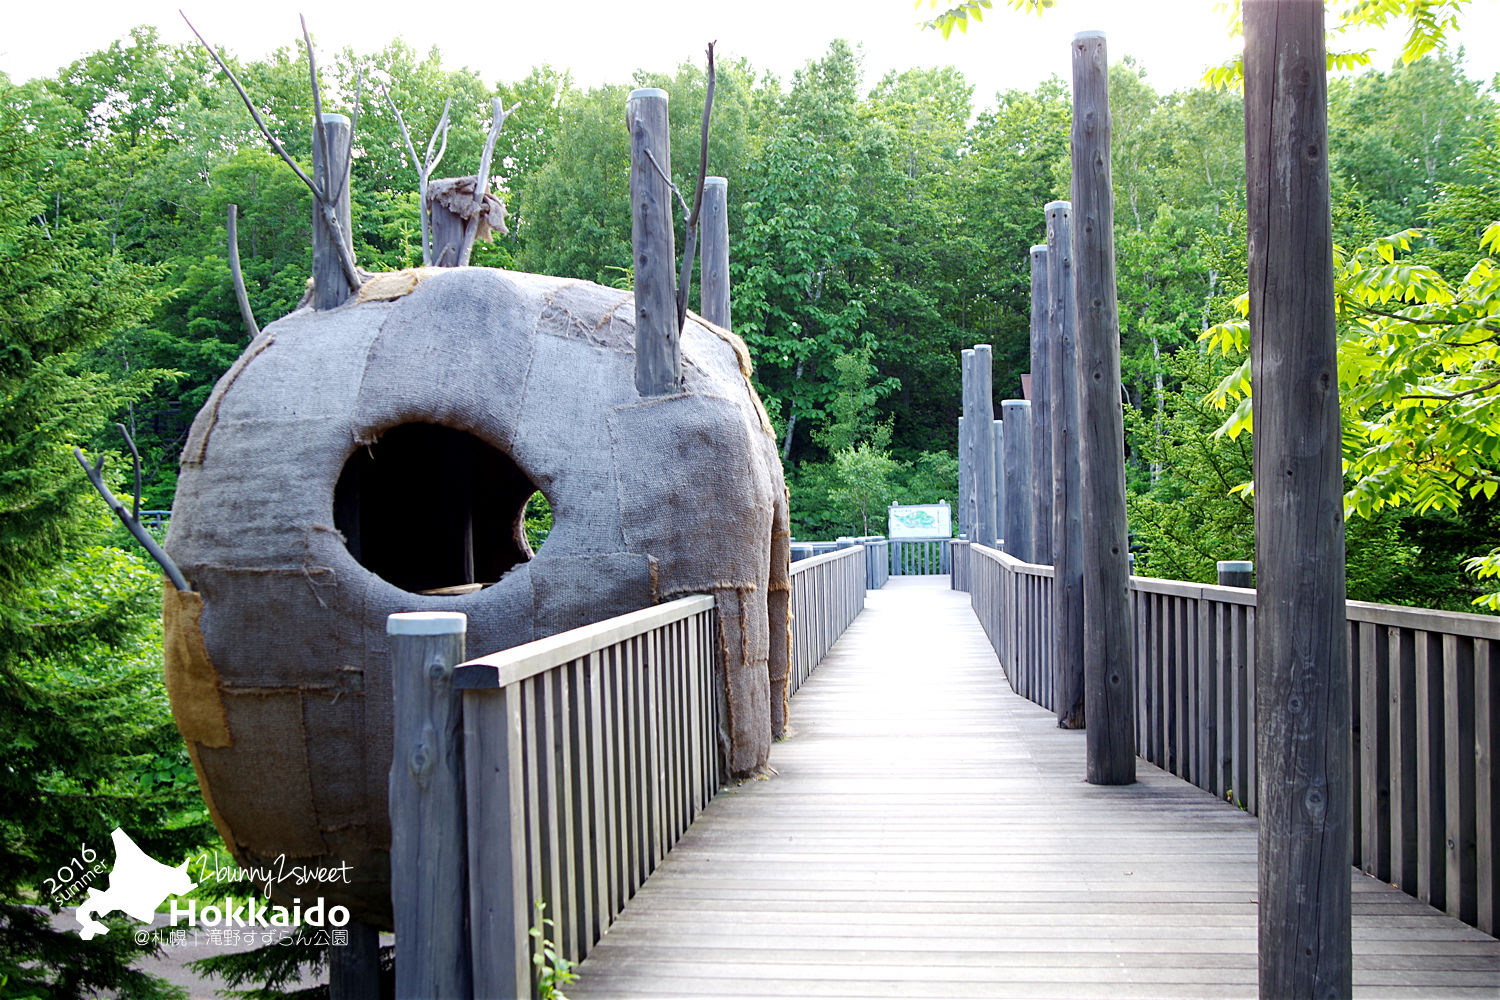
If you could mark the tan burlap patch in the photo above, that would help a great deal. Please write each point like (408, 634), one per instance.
(192, 681)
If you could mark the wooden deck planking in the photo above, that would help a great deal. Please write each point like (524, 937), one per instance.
(929, 833)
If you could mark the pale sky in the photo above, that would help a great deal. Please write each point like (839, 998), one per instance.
(603, 41)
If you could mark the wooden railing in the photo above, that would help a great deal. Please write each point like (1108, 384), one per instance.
(828, 591)
(920, 556)
(559, 772)
(582, 758)
(1426, 700)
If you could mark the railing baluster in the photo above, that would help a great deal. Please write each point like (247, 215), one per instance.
(1458, 768)
(1431, 808)
(1487, 781)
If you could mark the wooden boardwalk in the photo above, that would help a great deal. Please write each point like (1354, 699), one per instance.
(929, 834)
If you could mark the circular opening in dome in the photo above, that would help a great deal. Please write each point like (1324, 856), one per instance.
(433, 510)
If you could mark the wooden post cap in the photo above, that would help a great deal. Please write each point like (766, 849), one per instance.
(1091, 35)
(722, 182)
(1236, 566)
(332, 118)
(427, 623)
(644, 93)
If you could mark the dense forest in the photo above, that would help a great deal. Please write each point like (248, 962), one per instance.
(877, 227)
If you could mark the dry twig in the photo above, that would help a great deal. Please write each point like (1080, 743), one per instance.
(131, 518)
(238, 275)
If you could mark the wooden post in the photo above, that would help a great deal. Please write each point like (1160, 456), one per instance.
(1041, 413)
(985, 463)
(330, 285)
(658, 361)
(429, 884)
(965, 473)
(1302, 687)
(1236, 573)
(354, 968)
(1067, 513)
(713, 275)
(1109, 688)
(998, 427)
(971, 449)
(1018, 477)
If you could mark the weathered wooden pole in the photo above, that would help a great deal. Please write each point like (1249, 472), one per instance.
(965, 474)
(998, 429)
(1017, 419)
(658, 361)
(354, 967)
(713, 275)
(447, 233)
(971, 449)
(330, 284)
(1067, 486)
(1109, 681)
(429, 854)
(1041, 412)
(1302, 689)
(986, 529)
(1236, 572)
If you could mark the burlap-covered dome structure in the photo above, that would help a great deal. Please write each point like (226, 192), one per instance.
(355, 457)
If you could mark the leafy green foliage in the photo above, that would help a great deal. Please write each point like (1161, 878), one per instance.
(84, 727)
(1419, 383)
(959, 15)
(1429, 24)
(553, 971)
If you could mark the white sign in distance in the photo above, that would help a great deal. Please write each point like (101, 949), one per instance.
(928, 520)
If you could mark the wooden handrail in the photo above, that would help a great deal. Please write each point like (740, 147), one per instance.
(509, 666)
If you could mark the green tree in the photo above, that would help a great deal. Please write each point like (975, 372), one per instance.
(1418, 385)
(84, 729)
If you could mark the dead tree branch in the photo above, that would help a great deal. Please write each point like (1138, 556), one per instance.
(471, 229)
(690, 230)
(131, 518)
(325, 199)
(425, 167)
(238, 275)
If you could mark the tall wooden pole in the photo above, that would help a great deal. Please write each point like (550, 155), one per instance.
(1302, 689)
(713, 276)
(971, 450)
(965, 474)
(1041, 412)
(1067, 513)
(1017, 463)
(1109, 681)
(658, 361)
(1000, 499)
(985, 527)
(330, 284)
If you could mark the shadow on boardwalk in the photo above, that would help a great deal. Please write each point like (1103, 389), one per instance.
(929, 834)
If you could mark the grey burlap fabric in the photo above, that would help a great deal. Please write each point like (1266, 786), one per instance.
(651, 498)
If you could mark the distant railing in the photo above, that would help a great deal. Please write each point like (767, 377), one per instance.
(887, 557)
(828, 591)
(920, 556)
(1426, 699)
